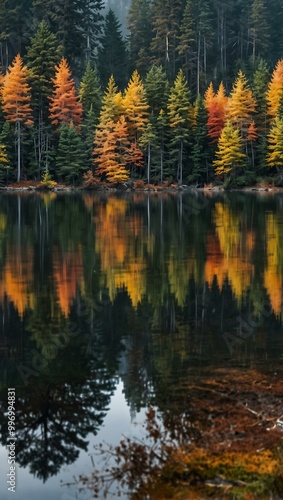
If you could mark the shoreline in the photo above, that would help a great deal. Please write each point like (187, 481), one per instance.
(130, 189)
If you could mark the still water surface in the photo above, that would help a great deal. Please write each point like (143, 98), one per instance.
(111, 303)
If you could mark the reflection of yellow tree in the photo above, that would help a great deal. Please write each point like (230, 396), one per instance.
(272, 275)
(68, 276)
(121, 249)
(16, 279)
(229, 251)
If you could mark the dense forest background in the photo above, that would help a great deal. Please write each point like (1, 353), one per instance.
(194, 94)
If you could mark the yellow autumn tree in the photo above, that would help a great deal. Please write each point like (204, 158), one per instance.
(274, 157)
(274, 91)
(229, 155)
(241, 105)
(16, 99)
(135, 107)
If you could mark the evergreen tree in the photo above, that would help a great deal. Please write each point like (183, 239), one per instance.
(157, 89)
(70, 157)
(274, 156)
(148, 144)
(199, 156)
(166, 19)
(179, 108)
(77, 25)
(259, 30)
(42, 55)
(187, 45)
(140, 28)
(112, 54)
(90, 92)
(229, 154)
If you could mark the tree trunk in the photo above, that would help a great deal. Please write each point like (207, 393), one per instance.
(19, 149)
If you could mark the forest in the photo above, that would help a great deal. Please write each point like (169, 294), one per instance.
(192, 94)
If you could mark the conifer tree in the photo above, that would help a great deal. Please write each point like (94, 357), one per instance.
(199, 154)
(259, 30)
(179, 108)
(275, 86)
(274, 156)
(42, 55)
(90, 92)
(135, 107)
(241, 105)
(64, 104)
(112, 55)
(148, 143)
(216, 105)
(140, 28)
(187, 47)
(157, 89)
(229, 154)
(70, 157)
(16, 99)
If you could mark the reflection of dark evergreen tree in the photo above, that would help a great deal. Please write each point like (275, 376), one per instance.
(56, 412)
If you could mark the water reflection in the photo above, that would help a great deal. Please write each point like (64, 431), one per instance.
(179, 290)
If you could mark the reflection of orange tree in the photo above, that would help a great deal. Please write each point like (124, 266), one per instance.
(120, 248)
(68, 276)
(272, 273)
(229, 251)
(16, 278)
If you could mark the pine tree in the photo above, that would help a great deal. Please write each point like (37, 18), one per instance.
(187, 43)
(259, 31)
(216, 106)
(112, 104)
(179, 108)
(199, 155)
(70, 157)
(112, 151)
(274, 90)
(148, 144)
(90, 92)
(42, 55)
(229, 155)
(241, 105)
(77, 25)
(274, 156)
(112, 55)
(135, 107)
(140, 28)
(64, 105)
(166, 19)
(157, 89)
(16, 99)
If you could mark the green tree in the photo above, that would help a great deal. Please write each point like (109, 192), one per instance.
(157, 89)
(259, 30)
(199, 155)
(112, 54)
(140, 28)
(70, 158)
(43, 54)
(229, 154)
(179, 109)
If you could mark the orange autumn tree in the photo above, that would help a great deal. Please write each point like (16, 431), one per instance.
(16, 100)
(64, 106)
(216, 105)
(274, 91)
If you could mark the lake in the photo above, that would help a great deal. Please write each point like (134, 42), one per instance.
(114, 302)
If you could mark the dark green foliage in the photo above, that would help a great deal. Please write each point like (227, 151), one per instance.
(70, 158)
(140, 27)
(112, 55)
(199, 156)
